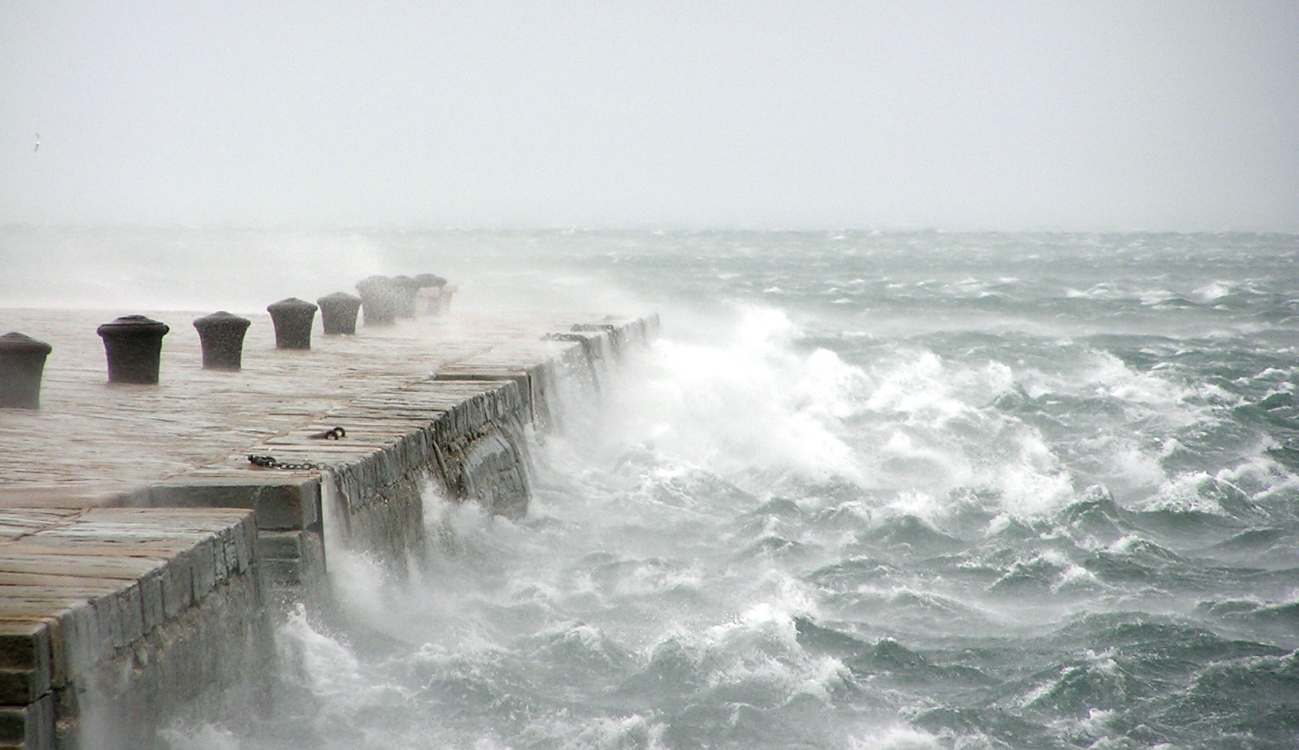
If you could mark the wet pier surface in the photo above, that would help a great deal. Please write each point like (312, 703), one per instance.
(139, 547)
(87, 594)
(104, 576)
(92, 442)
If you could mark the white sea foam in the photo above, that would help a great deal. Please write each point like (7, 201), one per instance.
(693, 394)
(1214, 290)
(205, 736)
(770, 499)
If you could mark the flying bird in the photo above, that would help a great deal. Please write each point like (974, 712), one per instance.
(38, 143)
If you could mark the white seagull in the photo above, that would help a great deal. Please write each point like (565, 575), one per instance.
(38, 143)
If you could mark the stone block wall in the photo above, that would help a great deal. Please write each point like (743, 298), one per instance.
(116, 621)
(465, 427)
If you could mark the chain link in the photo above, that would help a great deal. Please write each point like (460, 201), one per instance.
(270, 462)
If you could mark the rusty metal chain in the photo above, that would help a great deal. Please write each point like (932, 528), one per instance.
(270, 462)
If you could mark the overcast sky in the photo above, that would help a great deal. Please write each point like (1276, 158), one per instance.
(1073, 115)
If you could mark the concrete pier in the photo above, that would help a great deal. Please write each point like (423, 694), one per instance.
(114, 498)
(112, 616)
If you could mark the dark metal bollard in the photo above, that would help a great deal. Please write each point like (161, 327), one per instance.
(292, 318)
(22, 362)
(406, 289)
(430, 279)
(444, 298)
(431, 286)
(133, 344)
(222, 337)
(338, 312)
(378, 300)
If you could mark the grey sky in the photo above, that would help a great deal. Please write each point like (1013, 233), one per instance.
(1080, 115)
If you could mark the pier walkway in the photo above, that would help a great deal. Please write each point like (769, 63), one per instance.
(142, 556)
(91, 442)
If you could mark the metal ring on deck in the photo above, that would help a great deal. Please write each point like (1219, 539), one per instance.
(333, 433)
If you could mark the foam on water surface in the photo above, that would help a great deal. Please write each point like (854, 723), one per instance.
(1017, 491)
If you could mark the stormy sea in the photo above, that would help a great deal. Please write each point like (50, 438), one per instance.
(902, 490)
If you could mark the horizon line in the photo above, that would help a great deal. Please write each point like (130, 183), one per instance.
(627, 228)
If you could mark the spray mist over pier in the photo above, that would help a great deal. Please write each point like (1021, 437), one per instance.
(582, 375)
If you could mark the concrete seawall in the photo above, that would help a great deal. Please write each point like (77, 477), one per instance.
(143, 558)
(106, 614)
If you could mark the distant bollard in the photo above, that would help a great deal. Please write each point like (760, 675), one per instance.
(222, 338)
(444, 299)
(378, 300)
(406, 288)
(133, 344)
(292, 319)
(22, 362)
(338, 312)
(430, 289)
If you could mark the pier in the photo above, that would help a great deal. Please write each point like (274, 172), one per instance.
(144, 557)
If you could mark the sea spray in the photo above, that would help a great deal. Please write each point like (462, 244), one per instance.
(994, 500)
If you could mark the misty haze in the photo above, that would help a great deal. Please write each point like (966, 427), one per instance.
(898, 376)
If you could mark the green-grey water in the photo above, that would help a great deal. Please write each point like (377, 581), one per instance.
(869, 490)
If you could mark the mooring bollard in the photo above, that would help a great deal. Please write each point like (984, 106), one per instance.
(338, 312)
(431, 286)
(406, 288)
(133, 344)
(378, 300)
(444, 298)
(22, 362)
(292, 319)
(222, 338)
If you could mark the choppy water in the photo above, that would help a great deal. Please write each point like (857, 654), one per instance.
(868, 491)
